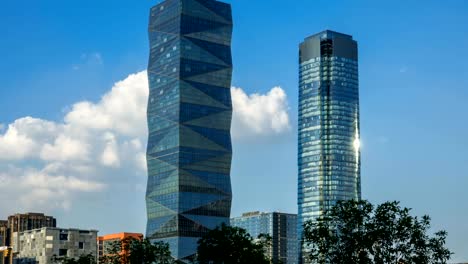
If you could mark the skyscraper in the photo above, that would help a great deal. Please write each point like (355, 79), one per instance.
(280, 226)
(189, 120)
(328, 148)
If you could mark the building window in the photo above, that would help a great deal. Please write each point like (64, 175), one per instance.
(63, 236)
(62, 252)
(80, 245)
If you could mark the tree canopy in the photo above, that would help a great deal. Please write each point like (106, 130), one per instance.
(232, 245)
(83, 259)
(357, 232)
(135, 251)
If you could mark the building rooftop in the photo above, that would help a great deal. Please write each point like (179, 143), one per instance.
(328, 34)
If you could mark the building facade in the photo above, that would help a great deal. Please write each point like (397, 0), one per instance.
(280, 226)
(40, 245)
(328, 144)
(30, 221)
(20, 223)
(105, 242)
(4, 234)
(189, 120)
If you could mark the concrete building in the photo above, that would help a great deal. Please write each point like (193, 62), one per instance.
(30, 221)
(280, 226)
(40, 245)
(3, 238)
(104, 242)
(20, 223)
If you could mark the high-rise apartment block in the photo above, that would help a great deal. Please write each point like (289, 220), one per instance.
(38, 246)
(189, 121)
(280, 226)
(20, 223)
(29, 221)
(328, 148)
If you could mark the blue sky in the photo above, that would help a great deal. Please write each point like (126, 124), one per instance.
(413, 100)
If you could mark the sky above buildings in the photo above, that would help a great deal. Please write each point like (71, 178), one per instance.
(73, 101)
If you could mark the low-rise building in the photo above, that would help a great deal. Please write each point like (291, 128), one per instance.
(41, 245)
(280, 226)
(105, 242)
(20, 223)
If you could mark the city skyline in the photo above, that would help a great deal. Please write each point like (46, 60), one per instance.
(402, 81)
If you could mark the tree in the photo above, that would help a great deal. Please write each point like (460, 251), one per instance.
(83, 259)
(232, 245)
(144, 252)
(356, 232)
(135, 251)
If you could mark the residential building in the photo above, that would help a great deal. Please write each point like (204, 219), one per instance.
(189, 120)
(3, 232)
(280, 226)
(40, 245)
(20, 223)
(105, 242)
(4, 235)
(328, 144)
(30, 221)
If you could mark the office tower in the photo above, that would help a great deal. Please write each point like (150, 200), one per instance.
(280, 226)
(105, 242)
(328, 143)
(40, 245)
(189, 120)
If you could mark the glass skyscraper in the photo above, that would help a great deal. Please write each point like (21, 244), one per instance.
(189, 120)
(280, 226)
(328, 144)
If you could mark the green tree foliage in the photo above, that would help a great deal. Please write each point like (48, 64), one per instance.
(83, 259)
(232, 245)
(135, 251)
(144, 252)
(358, 232)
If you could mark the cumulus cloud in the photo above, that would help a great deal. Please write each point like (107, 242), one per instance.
(110, 156)
(52, 163)
(259, 114)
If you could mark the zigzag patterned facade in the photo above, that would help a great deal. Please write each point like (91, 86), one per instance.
(189, 120)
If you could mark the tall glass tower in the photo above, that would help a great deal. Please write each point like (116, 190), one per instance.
(189, 120)
(328, 148)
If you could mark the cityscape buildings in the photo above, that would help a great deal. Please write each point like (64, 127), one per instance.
(280, 226)
(20, 223)
(29, 221)
(189, 121)
(328, 143)
(104, 242)
(38, 246)
(3, 239)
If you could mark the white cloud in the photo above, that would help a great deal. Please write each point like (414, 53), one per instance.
(51, 164)
(259, 114)
(24, 137)
(123, 109)
(110, 156)
(65, 148)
